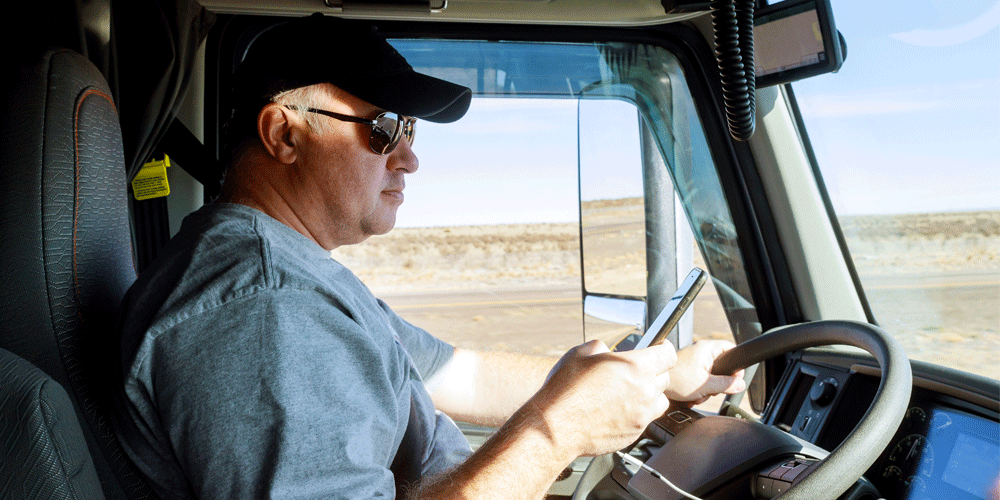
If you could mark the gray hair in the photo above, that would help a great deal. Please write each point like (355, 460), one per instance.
(302, 99)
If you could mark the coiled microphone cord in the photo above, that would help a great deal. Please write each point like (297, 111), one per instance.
(732, 24)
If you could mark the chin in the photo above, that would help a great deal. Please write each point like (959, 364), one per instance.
(380, 226)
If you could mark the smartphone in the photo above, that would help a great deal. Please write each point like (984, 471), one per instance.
(672, 312)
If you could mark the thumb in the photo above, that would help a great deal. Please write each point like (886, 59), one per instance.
(728, 384)
(591, 348)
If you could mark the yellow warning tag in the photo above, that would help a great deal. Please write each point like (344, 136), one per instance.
(151, 181)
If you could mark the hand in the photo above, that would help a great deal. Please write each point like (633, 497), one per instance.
(596, 401)
(691, 379)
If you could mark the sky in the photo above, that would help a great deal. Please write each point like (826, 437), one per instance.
(469, 176)
(908, 125)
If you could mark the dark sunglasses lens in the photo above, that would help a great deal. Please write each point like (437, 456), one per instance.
(410, 129)
(385, 133)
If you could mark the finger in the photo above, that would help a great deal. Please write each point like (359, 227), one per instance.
(688, 404)
(737, 383)
(720, 346)
(600, 347)
(591, 348)
(657, 358)
(717, 384)
(662, 405)
(662, 381)
(731, 385)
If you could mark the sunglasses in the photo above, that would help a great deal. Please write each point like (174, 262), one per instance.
(387, 128)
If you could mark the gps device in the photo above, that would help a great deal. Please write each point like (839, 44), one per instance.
(672, 312)
(795, 39)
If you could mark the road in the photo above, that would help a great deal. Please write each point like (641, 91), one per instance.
(474, 300)
(951, 319)
(534, 320)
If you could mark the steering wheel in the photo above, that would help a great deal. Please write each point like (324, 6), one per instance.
(715, 449)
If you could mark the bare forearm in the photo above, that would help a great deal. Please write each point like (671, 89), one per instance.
(520, 461)
(594, 402)
(488, 387)
(508, 380)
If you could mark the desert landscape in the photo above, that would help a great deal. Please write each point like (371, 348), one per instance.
(932, 280)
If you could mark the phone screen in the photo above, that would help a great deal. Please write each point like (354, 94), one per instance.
(672, 312)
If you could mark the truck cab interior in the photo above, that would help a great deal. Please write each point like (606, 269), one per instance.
(620, 144)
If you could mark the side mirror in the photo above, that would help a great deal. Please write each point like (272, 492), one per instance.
(633, 237)
(615, 318)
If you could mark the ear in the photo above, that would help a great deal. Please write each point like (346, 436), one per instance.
(276, 127)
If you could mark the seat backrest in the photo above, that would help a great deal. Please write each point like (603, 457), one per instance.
(66, 258)
(45, 453)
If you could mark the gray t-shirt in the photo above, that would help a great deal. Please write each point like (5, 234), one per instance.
(256, 366)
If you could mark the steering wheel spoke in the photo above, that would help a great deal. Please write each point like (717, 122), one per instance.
(703, 453)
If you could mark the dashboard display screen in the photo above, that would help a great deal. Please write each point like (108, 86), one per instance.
(971, 464)
(941, 453)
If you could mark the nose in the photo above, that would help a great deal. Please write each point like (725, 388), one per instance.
(403, 158)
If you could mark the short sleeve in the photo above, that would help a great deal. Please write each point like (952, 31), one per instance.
(280, 394)
(428, 352)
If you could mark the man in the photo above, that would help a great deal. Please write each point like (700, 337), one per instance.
(257, 366)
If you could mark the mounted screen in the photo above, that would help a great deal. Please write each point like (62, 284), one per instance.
(794, 40)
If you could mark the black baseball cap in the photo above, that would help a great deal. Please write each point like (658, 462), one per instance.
(352, 55)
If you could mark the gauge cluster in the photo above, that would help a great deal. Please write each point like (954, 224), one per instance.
(939, 452)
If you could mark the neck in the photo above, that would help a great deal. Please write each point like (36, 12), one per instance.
(256, 180)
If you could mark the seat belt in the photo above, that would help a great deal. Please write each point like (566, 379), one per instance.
(191, 155)
(152, 223)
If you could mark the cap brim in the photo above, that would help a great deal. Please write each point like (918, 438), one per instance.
(419, 95)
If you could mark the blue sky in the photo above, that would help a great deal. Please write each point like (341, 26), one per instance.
(469, 175)
(909, 124)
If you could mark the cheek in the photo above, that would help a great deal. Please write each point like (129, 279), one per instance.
(360, 185)
(337, 170)
(349, 177)
(371, 177)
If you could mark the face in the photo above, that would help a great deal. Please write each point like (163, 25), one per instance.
(349, 191)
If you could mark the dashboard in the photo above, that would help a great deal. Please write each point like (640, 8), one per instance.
(947, 447)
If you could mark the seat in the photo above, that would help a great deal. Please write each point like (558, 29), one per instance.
(66, 252)
(45, 453)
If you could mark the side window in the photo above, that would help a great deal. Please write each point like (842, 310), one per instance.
(917, 191)
(562, 208)
(486, 250)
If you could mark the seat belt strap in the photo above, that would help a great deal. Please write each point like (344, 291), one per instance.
(152, 224)
(190, 154)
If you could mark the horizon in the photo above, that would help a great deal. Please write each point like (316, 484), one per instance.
(570, 222)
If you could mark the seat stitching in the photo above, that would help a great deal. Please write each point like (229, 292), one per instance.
(76, 165)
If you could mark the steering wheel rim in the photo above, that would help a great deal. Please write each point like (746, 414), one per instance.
(849, 461)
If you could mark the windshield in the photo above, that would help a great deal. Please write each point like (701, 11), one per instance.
(905, 136)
